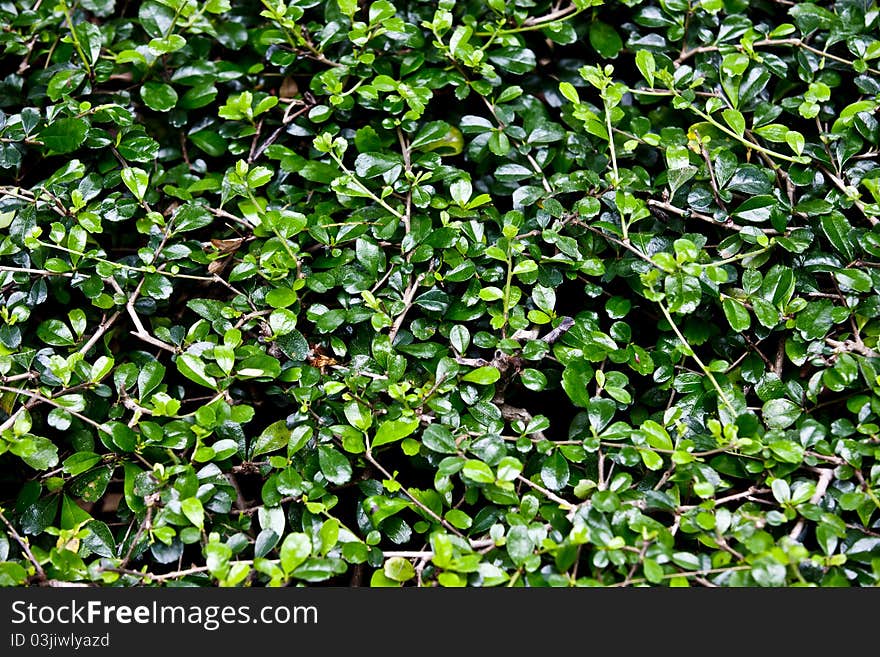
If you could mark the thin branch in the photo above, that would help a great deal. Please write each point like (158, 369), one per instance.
(408, 297)
(798, 43)
(611, 238)
(690, 214)
(408, 554)
(156, 342)
(24, 376)
(686, 574)
(145, 525)
(219, 212)
(568, 506)
(25, 546)
(39, 272)
(37, 397)
(754, 490)
(842, 186)
(140, 331)
(102, 329)
(288, 118)
(416, 501)
(164, 576)
(825, 476)
(851, 346)
(407, 163)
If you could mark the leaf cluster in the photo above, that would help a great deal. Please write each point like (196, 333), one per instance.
(467, 293)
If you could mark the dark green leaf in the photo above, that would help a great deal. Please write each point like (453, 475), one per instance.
(64, 135)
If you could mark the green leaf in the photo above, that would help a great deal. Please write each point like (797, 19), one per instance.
(295, 549)
(64, 83)
(814, 321)
(72, 514)
(646, 65)
(55, 333)
(756, 209)
(190, 216)
(38, 452)
(194, 511)
(261, 365)
(837, 230)
(555, 471)
(12, 574)
(575, 378)
(393, 430)
(513, 59)
(736, 314)
(478, 472)
(198, 96)
(787, 451)
(38, 515)
(438, 438)
(780, 413)
(266, 540)
(209, 141)
(651, 459)
(90, 486)
(122, 437)
(167, 44)
(399, 569)
(193, 368)
(372, 165)
(64, 135)
(683, 292)
(600, 412)
(79, 462)
(519, 544)
(680, 170)
(158, 96)
(89, 37)
(334, 465)
(767, 313)
(358, 415)
(272, 438)
(149, 377)
(485, 375)
(854, 280)
(347, 7)
(735, 120)
(656, 436)
(458, 519)
(569, 92)
(605, 39)
(137, 180)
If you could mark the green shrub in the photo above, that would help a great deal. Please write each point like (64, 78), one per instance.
(509, 293)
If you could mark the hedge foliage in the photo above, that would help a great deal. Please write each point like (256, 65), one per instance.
(504, 293)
